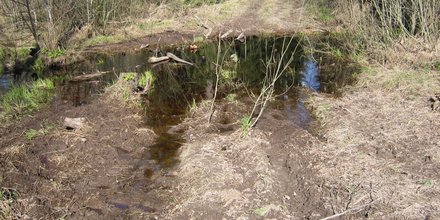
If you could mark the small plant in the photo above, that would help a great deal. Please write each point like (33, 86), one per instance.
(199, 39)
(193, 107)
(146, 78)
(142, 26)
(130, 77)
(22, 52)
(100, 61)
(38, 67)
(231, 97)
(31, 134)
(55, 53)
(246, 124)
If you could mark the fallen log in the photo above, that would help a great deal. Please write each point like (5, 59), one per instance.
(225, 35)
(241, 37)
(174, 57)
(74, 123)
(87, 77)
(158, 59)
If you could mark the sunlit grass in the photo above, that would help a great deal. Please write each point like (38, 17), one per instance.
(25, 98)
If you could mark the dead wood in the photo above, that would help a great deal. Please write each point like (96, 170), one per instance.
(87, 77)
(158, 59)
(174, 57)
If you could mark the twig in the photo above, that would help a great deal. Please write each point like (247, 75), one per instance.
(356, 209)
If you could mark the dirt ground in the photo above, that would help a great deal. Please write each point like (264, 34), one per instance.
(377, 155)
(255, 17)
(381, 145)
(97, 172)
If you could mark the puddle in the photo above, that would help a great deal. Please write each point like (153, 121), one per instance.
(176, 86)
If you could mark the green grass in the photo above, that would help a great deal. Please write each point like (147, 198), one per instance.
(129, 76)
(2, 54)
(246, 124)
(231, 97)
(38, 66)
(24, 99)
(22, 52)
(320, 11)
(147, 76)
(31, 134)
(56, 53)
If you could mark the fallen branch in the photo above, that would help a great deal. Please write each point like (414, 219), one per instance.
(158, 59)
(225, 35)
(87, 77)
(355, 210)
(174, 57)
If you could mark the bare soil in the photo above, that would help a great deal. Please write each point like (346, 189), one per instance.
(94, 173)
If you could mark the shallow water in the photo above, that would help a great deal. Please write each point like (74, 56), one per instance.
(176, 85)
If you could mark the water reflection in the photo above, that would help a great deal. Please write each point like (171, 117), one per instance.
(309, 76)
(5, 83)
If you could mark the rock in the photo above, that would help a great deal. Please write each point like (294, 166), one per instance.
(74, 123)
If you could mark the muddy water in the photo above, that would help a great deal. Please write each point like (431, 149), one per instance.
(176, 86)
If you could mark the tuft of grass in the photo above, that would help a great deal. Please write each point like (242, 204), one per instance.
(129, 76)
(56, 53)
(22, 52)
(246, 124)
(45, 129)
(146, 77)
(25, 99)
(31, 134)
(38, 66)
(320, 11)
(100, 61)
(231, 97)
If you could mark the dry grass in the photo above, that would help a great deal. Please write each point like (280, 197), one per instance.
(383, 138)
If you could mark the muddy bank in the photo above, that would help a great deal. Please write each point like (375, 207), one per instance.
(95, 172)
(224, 173)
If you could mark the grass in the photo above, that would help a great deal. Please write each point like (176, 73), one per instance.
(31, 134)
(38, 66)
(320, 11)
(27, 98)
(154, 25)
(102, 39)
(246, 124)
(231, 97)
(121, 91)
(147, 76)
(56, 53)
(129, 76)
(45, 129)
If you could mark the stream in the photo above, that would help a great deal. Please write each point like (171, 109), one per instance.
(176, 86)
